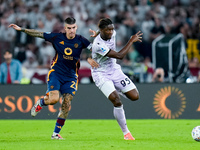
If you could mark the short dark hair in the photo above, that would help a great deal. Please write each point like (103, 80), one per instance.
(7, 51)
(104, 23)
(70, 20)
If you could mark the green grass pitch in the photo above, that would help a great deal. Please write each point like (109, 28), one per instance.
(98, 135)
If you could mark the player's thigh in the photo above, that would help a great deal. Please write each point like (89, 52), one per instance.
(100, 78)
(107, 88)
(104, 82)
(53, 87)
(53, 82)
(69, 87)
(122, 82)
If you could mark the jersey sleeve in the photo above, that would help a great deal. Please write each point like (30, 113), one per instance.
(49, 36)
(86, 43)
(101, 48)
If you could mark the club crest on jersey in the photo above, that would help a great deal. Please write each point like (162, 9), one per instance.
(76, 45)
(103, 50)
(51, 86)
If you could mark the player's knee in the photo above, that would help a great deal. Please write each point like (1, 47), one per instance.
(135, 96)
(117, 103)
(53, 97)
(115, 99)
(54, 100)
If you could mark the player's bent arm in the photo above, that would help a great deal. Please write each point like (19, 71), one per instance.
(125, 49)
(122, 52)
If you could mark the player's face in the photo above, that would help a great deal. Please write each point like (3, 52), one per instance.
(107, 32)
(70, 30)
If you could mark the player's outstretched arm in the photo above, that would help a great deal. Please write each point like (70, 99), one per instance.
(30, 32)
(120, 55)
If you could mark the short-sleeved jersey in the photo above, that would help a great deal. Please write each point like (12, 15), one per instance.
(68, 52)
(100, 48)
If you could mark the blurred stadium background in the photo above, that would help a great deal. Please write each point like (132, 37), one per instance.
(153, 17)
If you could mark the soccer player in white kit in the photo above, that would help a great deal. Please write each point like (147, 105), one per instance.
(109, 77)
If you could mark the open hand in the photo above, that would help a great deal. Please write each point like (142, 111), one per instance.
(137, 37)
(94, 34)
(16, 27)
(93, 63)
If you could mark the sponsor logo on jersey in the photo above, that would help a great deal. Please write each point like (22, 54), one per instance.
(68, 51)
(68, 57)
(103, 50)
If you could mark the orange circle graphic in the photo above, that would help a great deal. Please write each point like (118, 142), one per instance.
(160, 105)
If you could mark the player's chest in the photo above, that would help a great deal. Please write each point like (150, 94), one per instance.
(69, 48)
(110, 44)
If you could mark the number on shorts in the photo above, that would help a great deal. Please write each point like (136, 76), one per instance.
(125, 82)
(73, 85)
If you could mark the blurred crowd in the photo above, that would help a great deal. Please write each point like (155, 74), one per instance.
(152, 17)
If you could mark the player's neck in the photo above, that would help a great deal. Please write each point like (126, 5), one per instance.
(70, 37)
(103, 37)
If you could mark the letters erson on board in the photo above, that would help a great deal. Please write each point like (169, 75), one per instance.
(157, 101)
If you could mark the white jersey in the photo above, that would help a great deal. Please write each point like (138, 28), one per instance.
(100, 48)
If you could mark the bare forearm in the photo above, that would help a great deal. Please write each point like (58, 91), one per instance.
(33, 32)
(122, 52)
(125, 49)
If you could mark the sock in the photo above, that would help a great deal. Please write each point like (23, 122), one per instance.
(42, 102)
(121, 119)
(59, 124)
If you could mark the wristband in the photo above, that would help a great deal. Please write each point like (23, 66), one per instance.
(23, 29)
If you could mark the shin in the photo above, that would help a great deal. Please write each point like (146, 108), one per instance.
(66, 106)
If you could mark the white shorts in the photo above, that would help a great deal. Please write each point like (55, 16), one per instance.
(110, 81)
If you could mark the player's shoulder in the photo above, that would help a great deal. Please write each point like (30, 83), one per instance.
(80, 37)
(97, 44)
(98, 40)
(54, 33)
